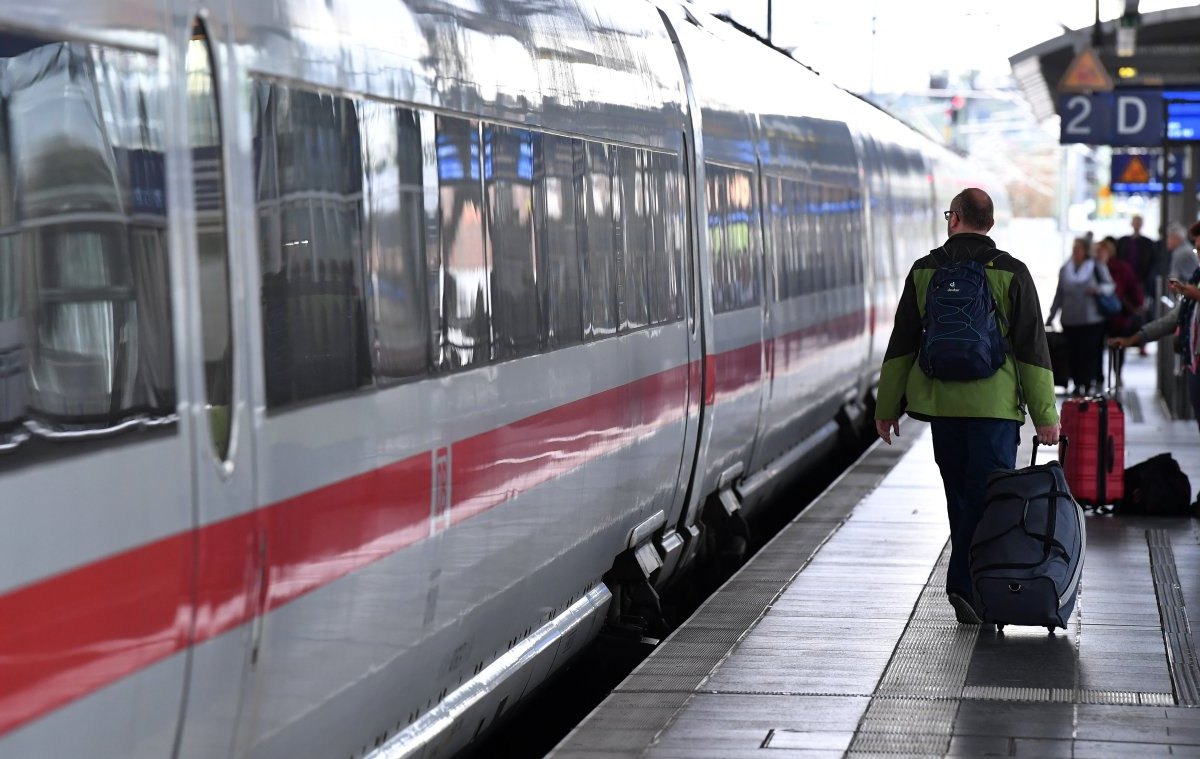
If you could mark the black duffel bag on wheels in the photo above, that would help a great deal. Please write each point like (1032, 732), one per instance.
(1027, 553)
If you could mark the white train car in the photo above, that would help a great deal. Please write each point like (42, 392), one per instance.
(359, 359)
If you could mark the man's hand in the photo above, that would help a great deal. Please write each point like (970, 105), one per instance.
(885, 427)
(1048, 435)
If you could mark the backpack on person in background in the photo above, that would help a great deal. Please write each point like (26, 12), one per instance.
(1157, 487)
(962, 339)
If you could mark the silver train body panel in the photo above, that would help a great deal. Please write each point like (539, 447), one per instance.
(236, 526)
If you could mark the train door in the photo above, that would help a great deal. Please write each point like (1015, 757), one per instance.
(769, 273)
(95, 501)
(883, 286)
(685, 513)
(869, 252)
(228, 542)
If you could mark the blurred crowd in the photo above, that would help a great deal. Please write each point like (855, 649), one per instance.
(1108, 293)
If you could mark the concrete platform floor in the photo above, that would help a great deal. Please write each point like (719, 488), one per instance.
(836, 639)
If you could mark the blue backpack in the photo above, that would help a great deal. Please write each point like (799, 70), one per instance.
(962, 324)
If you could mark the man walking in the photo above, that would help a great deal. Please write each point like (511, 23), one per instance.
(1138, 251)
(1141, 253)
(1183, 255)
(975, 422)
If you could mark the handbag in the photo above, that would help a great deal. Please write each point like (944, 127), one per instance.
(1108, 303)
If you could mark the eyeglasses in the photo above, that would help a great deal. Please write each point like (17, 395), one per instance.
(946, 214)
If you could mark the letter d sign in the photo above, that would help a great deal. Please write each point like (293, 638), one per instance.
(1137, 118)
(1131, 115)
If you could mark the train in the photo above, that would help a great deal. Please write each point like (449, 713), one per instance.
(360, 360)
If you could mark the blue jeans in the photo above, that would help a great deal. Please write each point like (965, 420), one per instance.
(967, 451)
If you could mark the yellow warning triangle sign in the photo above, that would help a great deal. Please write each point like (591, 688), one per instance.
(1085, 74)
(1135, 171)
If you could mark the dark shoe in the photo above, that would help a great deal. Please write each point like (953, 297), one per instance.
(963, 611)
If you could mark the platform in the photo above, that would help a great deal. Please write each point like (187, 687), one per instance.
(836, 639)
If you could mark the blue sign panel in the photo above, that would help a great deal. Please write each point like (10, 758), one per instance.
(1142, 172)
(1129, 118)
(1085, 118)
(1137, 118)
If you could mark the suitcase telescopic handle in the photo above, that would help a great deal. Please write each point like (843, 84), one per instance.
(1062, 449)
(1114, 377)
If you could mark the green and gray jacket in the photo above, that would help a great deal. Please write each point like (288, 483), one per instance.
(901, 380)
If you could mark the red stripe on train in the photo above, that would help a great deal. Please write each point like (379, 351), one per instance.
(66, 636)
(69, 635)
(493, 467)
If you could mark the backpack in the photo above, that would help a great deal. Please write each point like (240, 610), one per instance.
(962, 339)
(1157, 487)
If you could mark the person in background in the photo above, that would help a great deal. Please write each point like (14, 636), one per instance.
(1080, 280)
(976, 424)
(1138, 251)
(1128, 289)
(1182, 255)
(1184, 319)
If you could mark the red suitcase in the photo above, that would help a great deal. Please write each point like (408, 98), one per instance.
(1095, 465)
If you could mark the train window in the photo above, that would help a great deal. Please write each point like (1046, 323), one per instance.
(396, 240)
(508, 179)
(827, 222)
(714, 188)
(662, 256)
(675, 214)
(558, 174)
(85, 296)
(208, 196)
(629, 176)
(466, 325)
(309, 179)
(682, 193)
(733, 239)
(809, 222)
(597, 245)
(795, 231)
(777, 235)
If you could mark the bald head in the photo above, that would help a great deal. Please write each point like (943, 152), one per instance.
(974, 208)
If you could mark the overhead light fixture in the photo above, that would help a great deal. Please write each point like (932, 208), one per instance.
(1127, 33)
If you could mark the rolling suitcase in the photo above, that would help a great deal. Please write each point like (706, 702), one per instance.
(1027, 552)
(1095, 463)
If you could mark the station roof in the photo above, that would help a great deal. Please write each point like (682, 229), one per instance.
(1167, 55)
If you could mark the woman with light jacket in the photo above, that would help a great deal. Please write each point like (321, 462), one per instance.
(1080, 280)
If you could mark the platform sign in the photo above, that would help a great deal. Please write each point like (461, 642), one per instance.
(1085, 118)
(1123, 118)
(1143, 172)
(1085, 74)
(1137, 118)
